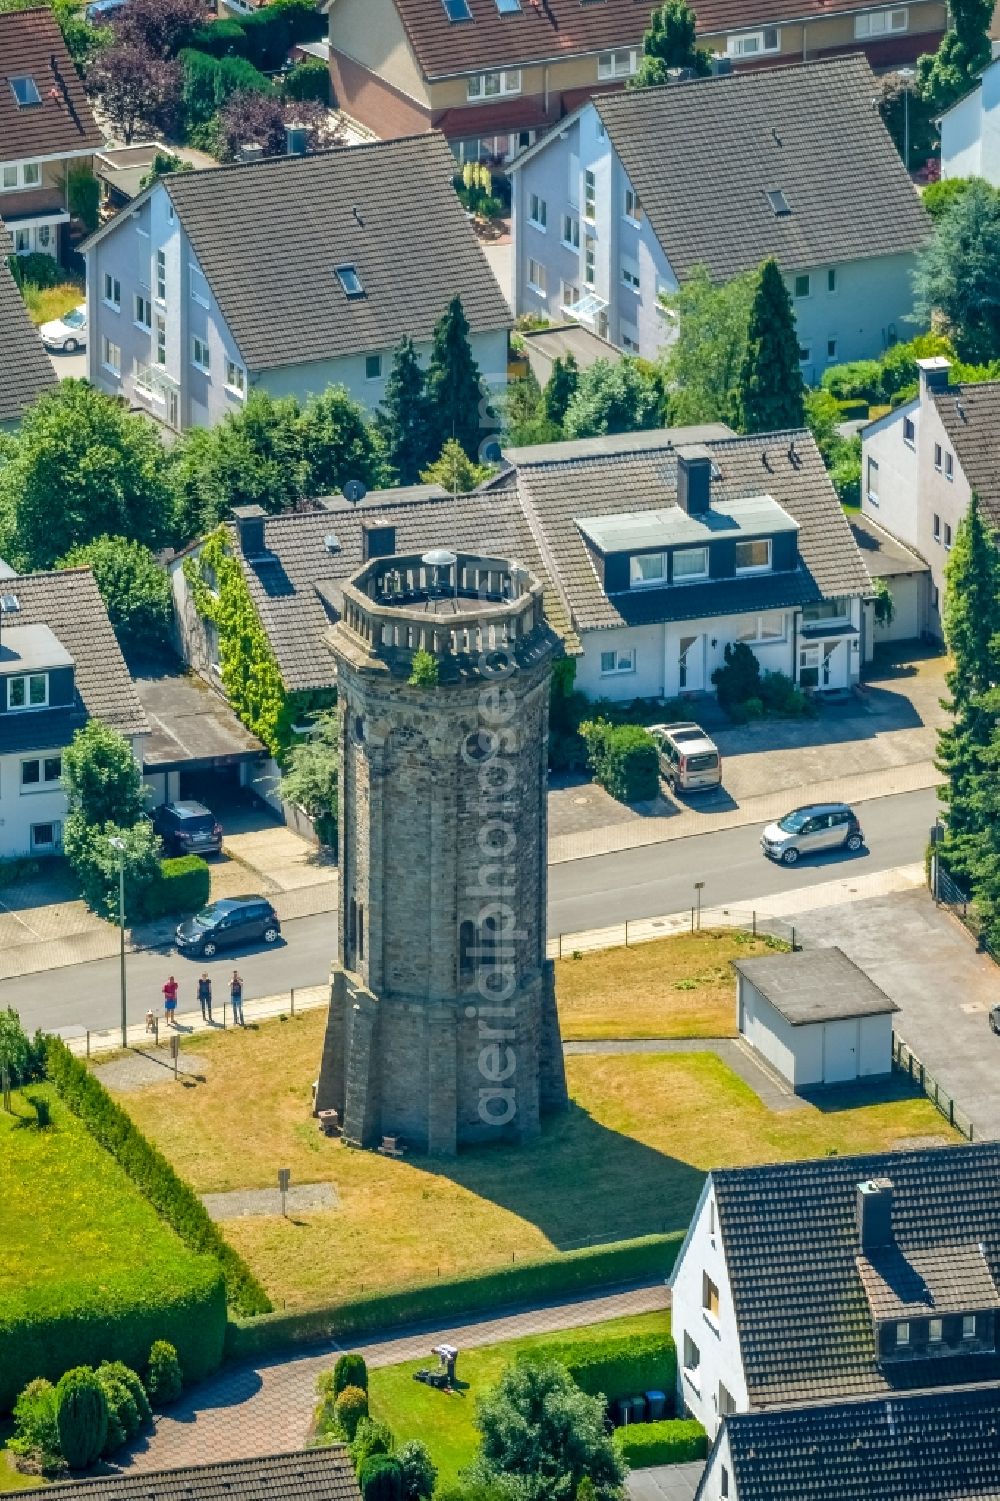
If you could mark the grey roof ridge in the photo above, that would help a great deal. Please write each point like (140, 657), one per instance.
(176, 1472)
(182, 179)
(747, 1170)
(629, 450)
(852, 60)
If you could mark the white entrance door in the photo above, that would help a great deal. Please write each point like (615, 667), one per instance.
(691, 664)
(840, 1051)
(834, 668)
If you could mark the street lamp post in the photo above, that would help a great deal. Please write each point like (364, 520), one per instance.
(118, 844)
(907, 75)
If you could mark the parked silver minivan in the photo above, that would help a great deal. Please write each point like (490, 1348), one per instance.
(689, 760)
(810, 830)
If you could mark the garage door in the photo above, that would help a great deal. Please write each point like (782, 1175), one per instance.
(840, 1052)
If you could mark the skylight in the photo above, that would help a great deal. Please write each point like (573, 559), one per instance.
(457, 10)
(779, 203)
(508, 7)
(350, 281)
(25, 91)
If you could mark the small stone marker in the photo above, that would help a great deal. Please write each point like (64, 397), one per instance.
(284, 1178)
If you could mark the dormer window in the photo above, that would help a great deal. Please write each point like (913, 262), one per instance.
(968, 1326)
(690, 564)
(754, 557)
(28, 692)
(649, 568)
(902, 1336)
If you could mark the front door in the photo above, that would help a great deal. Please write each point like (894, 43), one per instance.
(691, 664)
(840, 1051)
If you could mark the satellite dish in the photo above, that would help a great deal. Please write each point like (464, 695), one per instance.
(354, 491)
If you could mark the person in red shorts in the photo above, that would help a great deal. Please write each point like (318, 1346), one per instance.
(170, 1000)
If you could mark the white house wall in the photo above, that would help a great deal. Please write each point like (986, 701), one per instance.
(720, 1361)
(793, 1051)
(970, 132)
(719, 1482)
(20, 809)
(875, 1055)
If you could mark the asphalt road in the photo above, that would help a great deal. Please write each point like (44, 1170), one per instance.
(582, 894)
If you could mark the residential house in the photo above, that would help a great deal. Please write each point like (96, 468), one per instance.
(311, 1475)
(493, 75)
(47, 130)
(906, 577)
(25, 369)
(901, 1448)
(637, 190)
(921, 463)
(60, 665)
(839, 1279)
(288, 275)
(970, 130)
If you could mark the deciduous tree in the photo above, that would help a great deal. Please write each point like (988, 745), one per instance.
(136, 87)
(613, 398)
(701, 369)
(250, 117)
(945, 75)
(958, 273)
(135, 590)
(454, 471)
(101, 777)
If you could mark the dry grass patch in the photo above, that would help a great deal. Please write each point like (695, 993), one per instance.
(46, 303)
(672, 987)
(628, 1158)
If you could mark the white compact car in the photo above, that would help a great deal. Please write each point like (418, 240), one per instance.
(68, 333)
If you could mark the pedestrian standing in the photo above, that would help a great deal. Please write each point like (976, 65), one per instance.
(170, 1000)
(205, 997)
(236, 996)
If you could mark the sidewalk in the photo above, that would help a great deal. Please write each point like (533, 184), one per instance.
(189, 1023)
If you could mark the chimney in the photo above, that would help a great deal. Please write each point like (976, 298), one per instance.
(295, 140)
(933, 374)
(250, 151)
(694, 479)
(722, 65)
(250, 527)
(378, 540)
(875, 1214)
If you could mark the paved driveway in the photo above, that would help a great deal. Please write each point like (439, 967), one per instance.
(926, 962)
(665, 1482)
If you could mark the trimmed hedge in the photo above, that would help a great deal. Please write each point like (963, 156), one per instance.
(619, 1365)
(597, 1266)
(308, 80)
(624, 759)
(264, 37)
(209, 81)
(170, 1196)
(673, 1442)
(183, 885)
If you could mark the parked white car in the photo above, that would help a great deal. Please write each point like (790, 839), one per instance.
(68, 333)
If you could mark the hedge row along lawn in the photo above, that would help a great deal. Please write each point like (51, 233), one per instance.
(444, 1421)
(88, 1270)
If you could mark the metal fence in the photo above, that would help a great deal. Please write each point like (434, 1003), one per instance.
(908, 1063)
(646, 929)
(951, 894)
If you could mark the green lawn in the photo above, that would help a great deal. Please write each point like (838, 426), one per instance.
(443, 1420)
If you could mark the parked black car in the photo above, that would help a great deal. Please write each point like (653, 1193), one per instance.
(188, 828)
(231, 921)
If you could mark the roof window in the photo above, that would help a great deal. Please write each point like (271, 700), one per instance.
(350, 281)
(508, 7)
(25, 91)
(779, 203)
(457, 10)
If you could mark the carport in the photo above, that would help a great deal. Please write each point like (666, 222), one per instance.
(908, 579)
(197, 747)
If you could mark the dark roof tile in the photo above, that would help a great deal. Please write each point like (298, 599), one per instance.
(540, 29)
(970, 415)
(31, 45)
(25, 369)
(315, 1475)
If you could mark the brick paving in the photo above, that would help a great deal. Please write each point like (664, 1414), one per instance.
(266, 1407)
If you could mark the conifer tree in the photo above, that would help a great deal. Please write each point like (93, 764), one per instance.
(560, 389)
(454, 384)
(405, 416)
(770, 393)
(669, 43)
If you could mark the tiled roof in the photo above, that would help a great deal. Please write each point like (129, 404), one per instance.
(814, 985)
(269, 236)
(315, 1475)
(885, 556)
(940, 1447)
(68, 602)
(930, 1280)
(31, 45)
(744, 15)
(970, 416)
(539, 29)
(295, 588)
(790, 1236)
(704, 155)
(25, 369)
(632, 472)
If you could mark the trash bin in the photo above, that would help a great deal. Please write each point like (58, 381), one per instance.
(638, 1410)
(656, 1402)
(621, 1411)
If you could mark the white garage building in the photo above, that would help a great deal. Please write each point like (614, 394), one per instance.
(815, 1017)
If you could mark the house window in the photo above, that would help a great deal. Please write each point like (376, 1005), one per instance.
(831, 349)
(831, 279)
(947, 537)
(968, 1326)
(909, 432)
(589, 195)
(936, 527)
(571, 231)
(805, 354)
(630, 273)
(111, 357)
(40, 771)
(161, 275)
(692, 1360)
(573, 186)
(589, 260)
(754, 557)
(27, 175)
(879, 23)
(618, 64)
(161, 341)
(763, 628)
(28, 692)
(949, 466)
(22, 241)
(199, 286)
(614, 662)
(373, 367)
(494, 85)
(633, 211)
(727, 1403)
(809, 666)
(236, 377)
(25, 91)
(457, 10)
(690, 563)
(935, 1331)
(709, 1297)
(872, 485)
(802, 284)
(143, 382)
(628, 334)
(902, 1335)
(112, 292)
(45, 836)
(750, 43)
(536, 277)
(570, 295)
(350, 281)
(200, 356)
(43, 236)
(143, 312)
(648, 568)
(723, 1481)
(837, 608)
(937, 457)
(538, 212)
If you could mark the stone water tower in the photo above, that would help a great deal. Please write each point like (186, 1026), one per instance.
(442, 1028)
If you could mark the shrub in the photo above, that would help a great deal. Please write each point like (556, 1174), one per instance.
(221, 39)
(37, 268)
(181, 885)
(164, 1380)
(308, 80)
(418, 1471)
(128, 1405)
(380, 1479)
(36, 1432)
(43, 1110)
(23, 1059)
(739, 677)
(423, 670)
(859, 379)
(209, 81)
(617, 1365)
(350, 1407)
(133, 1384)
(623, 758)
(371, 1438)
(81, 1417)
(113, 1129)
(673, 1442)
(84, 193)
(350, 1370)
(781, 696)
(133, 586)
